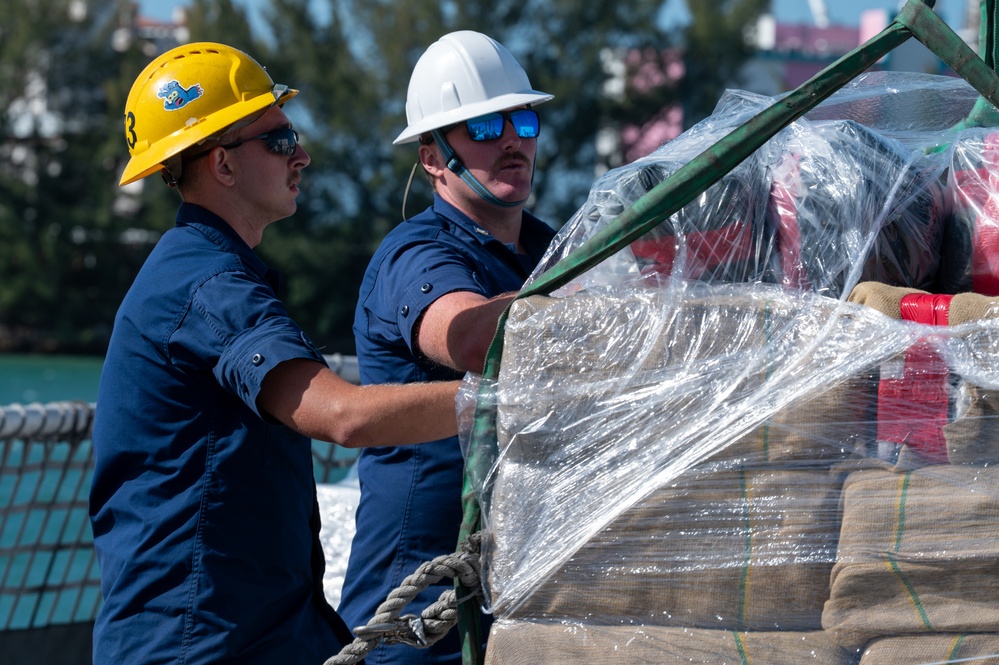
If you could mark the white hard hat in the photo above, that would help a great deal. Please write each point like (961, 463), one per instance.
(462, 75)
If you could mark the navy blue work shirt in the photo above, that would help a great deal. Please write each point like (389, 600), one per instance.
(410, 506)
(203, 508)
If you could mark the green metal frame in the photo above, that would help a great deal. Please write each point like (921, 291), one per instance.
(915, 19)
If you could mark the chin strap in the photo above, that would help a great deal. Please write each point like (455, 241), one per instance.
(171, 171)
(455, 165)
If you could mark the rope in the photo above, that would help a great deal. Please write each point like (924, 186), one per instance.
(434, 622)
(61, 421)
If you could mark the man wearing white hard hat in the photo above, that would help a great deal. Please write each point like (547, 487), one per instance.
(429, 305)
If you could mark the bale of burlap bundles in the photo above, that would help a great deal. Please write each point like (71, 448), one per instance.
(980, 649)
(586, 356)
(554, 643)
(746, 550)
(972, 436)
(918, 553)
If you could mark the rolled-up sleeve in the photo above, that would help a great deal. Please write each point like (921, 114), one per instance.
(241, 324)
(411, 278)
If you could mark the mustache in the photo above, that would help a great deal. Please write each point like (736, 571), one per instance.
(513, 158)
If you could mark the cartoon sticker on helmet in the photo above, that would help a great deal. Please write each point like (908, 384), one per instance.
(175, 96)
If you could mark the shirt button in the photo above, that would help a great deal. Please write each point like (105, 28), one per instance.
(405, 310)
(257, 359)
(426, 288)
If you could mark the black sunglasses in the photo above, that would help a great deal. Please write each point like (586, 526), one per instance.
(281, 141)
(489, 127)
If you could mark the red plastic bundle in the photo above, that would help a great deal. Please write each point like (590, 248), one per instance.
(913, 400)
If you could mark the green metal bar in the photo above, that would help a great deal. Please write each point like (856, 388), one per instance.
(987, 32)
(984, 113)
(937, 36)
(916, 18)
(469, 626)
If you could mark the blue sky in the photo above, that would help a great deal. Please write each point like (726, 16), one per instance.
(843, 12)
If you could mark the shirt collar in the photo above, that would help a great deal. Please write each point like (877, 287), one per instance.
(531, 226)
(222, 234)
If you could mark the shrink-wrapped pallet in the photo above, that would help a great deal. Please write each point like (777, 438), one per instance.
(684, 453)
(713, 448)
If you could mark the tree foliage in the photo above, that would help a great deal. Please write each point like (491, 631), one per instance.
(64, 252)
(71, 240)
(715, 48)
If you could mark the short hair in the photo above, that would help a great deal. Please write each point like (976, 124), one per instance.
(175, 167)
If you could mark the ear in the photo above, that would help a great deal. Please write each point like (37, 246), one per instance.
(432, 160)
(220, 167)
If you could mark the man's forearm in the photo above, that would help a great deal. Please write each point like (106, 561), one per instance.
(311, 399)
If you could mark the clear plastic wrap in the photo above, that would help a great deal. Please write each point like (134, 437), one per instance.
(736, 452)
(825, 203)
(971, 249)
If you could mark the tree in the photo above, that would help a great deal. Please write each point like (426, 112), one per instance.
(715, 48)
(64, 248)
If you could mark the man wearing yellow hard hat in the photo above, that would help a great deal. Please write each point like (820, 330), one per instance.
(203, 502)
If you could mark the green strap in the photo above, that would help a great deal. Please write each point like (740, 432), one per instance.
(915, 19)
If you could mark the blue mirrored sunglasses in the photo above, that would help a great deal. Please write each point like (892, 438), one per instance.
(281, 141)
(489, 127)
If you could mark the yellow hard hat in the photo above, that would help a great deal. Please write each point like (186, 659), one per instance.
(188, 94)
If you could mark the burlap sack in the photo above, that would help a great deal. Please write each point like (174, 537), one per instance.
(967, 307)
(881, 297)
(918, 553)
(748, 550)
(542, 643)
(964, 307)
(613, 367)
(980, 649)
(818, 430)
(973, 437)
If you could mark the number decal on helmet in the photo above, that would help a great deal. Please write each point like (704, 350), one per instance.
(130, 136)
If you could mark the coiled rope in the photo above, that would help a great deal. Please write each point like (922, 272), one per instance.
(434, 622)
(55, 421)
